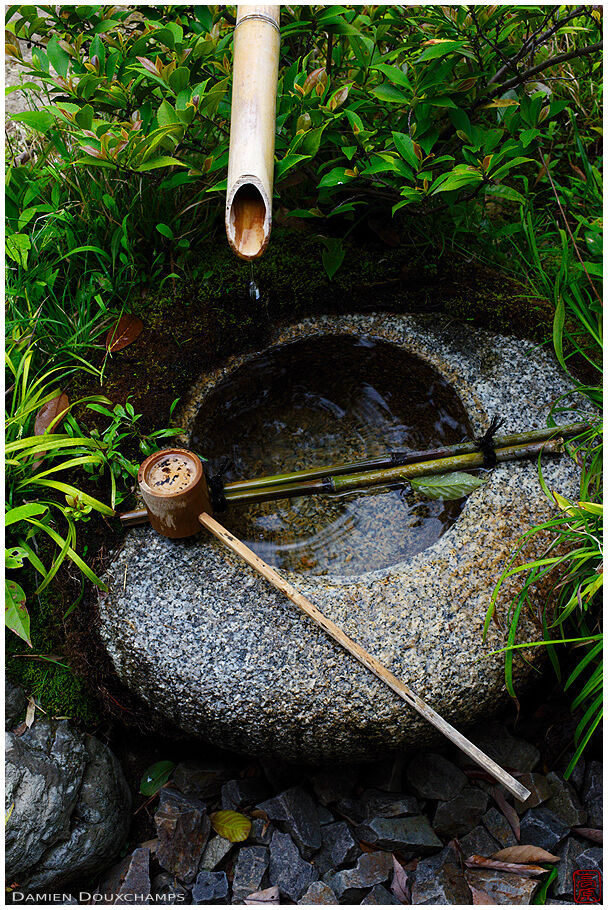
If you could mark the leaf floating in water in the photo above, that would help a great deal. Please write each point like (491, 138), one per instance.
(446, 486)
(124, 332)
(155, 777)
(231, 825)
(51, 414)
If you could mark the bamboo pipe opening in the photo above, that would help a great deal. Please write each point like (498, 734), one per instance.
(247, 219)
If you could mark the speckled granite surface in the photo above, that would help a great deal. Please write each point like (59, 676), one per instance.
(203, 639)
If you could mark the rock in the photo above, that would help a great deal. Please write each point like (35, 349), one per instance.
(287, 869)
(499, 828)
(459, 815)
(318, 893)
(386, 774)
(167, 889)
(333, 784)
(15, 703)
(325, 816)
(509, 751)
(432, 776)
(439, 880)
(543, 829)
(71, 805)
(217, 849)
(210, 888)
(501, 887)
(381, 896)
(350, 885)
(568, 853)
(480, 842)
(388, 805)
(338, 848)
(539, 789)
(183, 826)
(204, 780)
(135, 888)
(564, 802)
(593, 795)
(249, 871)
(261, 832)
(412, 835)
(238, 666)
(592, 858)
(296, 813)
(236, 794)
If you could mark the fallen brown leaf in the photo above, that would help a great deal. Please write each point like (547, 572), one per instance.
(481, 862)
(30, 712)
(594, 834)
(401, 885)
(51, 414)
(525, 853)
(480, 897)
(124, 332)
(268, 896)
(508, 811)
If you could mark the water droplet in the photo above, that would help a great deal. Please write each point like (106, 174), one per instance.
(254, 291)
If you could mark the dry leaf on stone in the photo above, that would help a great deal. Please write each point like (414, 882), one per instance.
(20, 729)
(124, 332)
(401, 886)
(508, 811)
(49, 414)
(525, 853)
(31, 711)
(594, 834)
(480, 897)
(481, 862)
(268, 896)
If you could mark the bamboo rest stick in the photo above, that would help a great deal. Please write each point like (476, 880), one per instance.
(305, 605)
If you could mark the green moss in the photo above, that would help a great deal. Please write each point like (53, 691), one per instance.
(60, 692)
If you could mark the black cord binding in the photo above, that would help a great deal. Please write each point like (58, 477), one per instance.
(485, 443)
(215, 483)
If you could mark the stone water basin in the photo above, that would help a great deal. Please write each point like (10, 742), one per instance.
(205, 641)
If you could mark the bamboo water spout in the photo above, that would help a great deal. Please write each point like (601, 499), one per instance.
(252, 130)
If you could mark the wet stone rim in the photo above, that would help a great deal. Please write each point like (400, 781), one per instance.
(208, 643)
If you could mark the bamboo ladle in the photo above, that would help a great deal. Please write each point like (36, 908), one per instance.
(174, 489)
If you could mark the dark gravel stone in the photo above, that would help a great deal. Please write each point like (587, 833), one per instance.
(439, 880)
(204, 780)
(350, 885)
(480, 842)
(249, 871)
(167, 889)
(380, 896)
(564, 802)
(338, 848)
(543, 829)
(236, 794)
(592, 858)
(461, 814)
(593, 795)
(499, 828)
(136, 886)
(287, 869)
(325, 816)
(183, 829)
(15, 703)
(261, 832)
(217, 849)
(318, 893)
(297, 815)
(432, 776)
(509, 751)
(210, 888)
(333, 784)
(402, 834)
(539, 789)
(388, 805)
(502, 887)
(569, 853)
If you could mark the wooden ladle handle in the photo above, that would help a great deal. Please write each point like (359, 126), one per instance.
(305, 605)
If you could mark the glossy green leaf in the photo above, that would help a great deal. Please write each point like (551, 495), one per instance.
(453, 485)
(60, 59)
(387, 92)
(333, 255)
(16, 616)
(41, 121)
(155, 777)
(232, 826)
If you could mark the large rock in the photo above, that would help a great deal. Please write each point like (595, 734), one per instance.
(205, 640)
(71, 805)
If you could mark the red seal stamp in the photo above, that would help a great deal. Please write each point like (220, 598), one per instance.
(587, 886)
